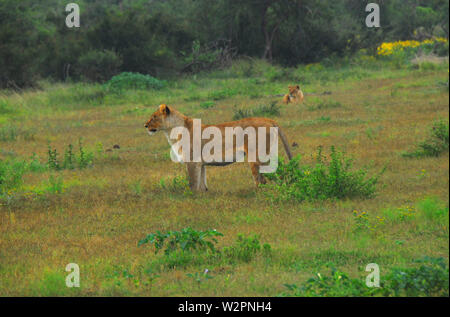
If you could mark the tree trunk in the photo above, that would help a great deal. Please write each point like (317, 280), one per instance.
(268, 36)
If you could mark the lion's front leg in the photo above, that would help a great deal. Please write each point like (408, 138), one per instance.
(197, 176)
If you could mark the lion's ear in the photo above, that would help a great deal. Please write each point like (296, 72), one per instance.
(298, 86)
(164, 109)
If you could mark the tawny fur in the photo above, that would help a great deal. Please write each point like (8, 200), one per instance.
(295, 95)
(165, 119)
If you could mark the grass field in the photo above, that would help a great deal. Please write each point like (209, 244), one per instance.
(95, 216)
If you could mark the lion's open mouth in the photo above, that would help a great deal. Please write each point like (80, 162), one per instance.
(153, 130)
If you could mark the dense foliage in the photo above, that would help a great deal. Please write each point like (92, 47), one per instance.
(429, 279)
(333, 178)
(162, 38)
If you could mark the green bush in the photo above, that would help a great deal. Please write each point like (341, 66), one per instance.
(98, 66)
(134, 81)
(436, 144)
(430, 279)
(185, 240)
(333, 179)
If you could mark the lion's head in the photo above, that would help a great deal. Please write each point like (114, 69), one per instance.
(158, 120)
(293, 90)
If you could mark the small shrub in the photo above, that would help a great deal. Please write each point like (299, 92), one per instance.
(361, 220)
(35, 165)
(69, 158)
(245, 249)
(178, 184)
(52, 160)
(400, 214)
(364, 221)
(337, 284)
(55, 185)
(335, 179)
(436, 144)
(134, 81)
(83, 159)
(185, 240)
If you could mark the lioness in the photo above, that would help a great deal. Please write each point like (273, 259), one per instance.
(295, 95)
(165, 119)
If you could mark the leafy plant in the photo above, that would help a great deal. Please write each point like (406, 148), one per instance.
(436, 144)
(177, 184)
(336, 284)
(200, 277)
(55, 185)
(69, 158)
(83, 160)
(186, 240)
(52, 161)
(324, 180)
(430, 279)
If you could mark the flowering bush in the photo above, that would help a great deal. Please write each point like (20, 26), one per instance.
(391, 48)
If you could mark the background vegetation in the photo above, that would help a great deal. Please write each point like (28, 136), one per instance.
(165, 38)
(82, 182)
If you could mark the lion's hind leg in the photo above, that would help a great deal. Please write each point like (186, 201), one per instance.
(257, 176)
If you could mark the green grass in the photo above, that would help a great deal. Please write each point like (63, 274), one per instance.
(95, 216)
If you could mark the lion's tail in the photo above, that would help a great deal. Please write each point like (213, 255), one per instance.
(285, 142)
